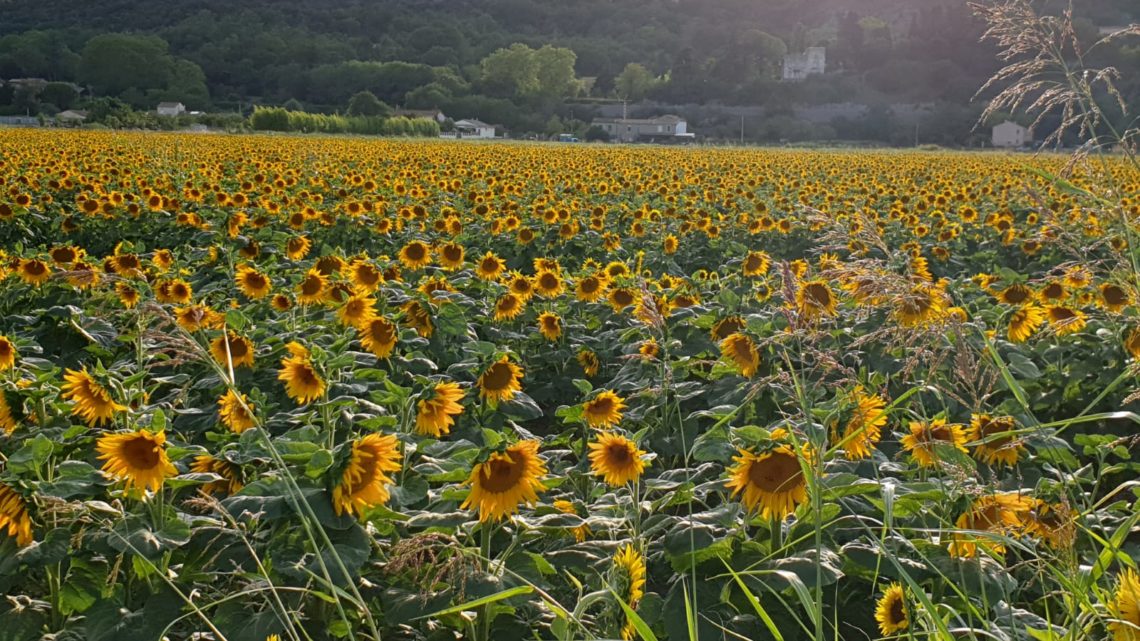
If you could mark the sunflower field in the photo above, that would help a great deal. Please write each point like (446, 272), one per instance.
(332, 388)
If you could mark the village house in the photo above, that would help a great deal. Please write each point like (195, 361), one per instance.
(660, 128)
(471, 128)
(171, 108)
(1011, 135)
(71, 116)
(812, 61)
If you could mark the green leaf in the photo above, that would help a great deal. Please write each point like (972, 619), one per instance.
(471, 605)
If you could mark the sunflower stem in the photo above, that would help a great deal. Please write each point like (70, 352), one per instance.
(485, 534)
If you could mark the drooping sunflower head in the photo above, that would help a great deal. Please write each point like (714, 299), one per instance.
(1114, 297)
(378, 336)
(1125, 608)
(1024, 322)
(629, 579)
(864, 428)
(588, 359)
(236, 412)
(358, 310)
(508, 307)
(500, 381)
(740, 350)
(313, 288)
(922, 305)
(14, 517)
(231, 481)
(1016, 294)
(1065, 320)
(925, 439)
(616, 459)
(814, 298)
(435, 412)
(1004, 513)
(34, 271)
(450, 256)
(233, 348)
(604, 410)
(7, 353)
(138, 458)
(364, 481)
(891, 610)
(995, 445)
(550, 326)
(302, 382)
(725, 327)
(417, 315)
(505, 480)
(771, 482)
(92, 401)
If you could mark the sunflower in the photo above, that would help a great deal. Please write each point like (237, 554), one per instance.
(230, 483)
(435, 411)
(590, 289)
(415, 254)
(581, 532)
(196, 317)
(378, 336)
(500, 381)
(771, 482)
(1065, 320)
(14, 516)
(922, 305)
(616, 459)
(1132, 343)
(364, 481)
(418, 316)
(604, 410)
(1017, 294)
(236, 412)
(302, 383)
(925, 438)
(1113, 297)
(588, 359)
(297, 247)
(1055, 524)
(994, 450)
(92, 401)
(236, 349)
(1052, 292)
(755, 264)
(364, 275)
(505, 480)
(1024, 322)
(891, 610)
(814, 298)
(629, 564)
(1004, 513)
(7, 421)
(548, 284)
(139, 458)
(864, 429)
(1125, 608)
(282, 303)
(520, 285)
(252, 283)
(128, 296)
(1078, 277)
(7, 353)
(621, 298)
(726, 327)
(451, 256)
(177, 291)
(65, 255)
(311, 291)
(550, 326)
(34, 271)
(358, 310)
(741, 351)
(508, 307)
(490, 267)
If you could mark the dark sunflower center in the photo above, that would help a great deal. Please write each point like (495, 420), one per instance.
(490, 265)
(311, 286)
(618, 455)
(501, 475)
(382, 331)
(140, 453)
(498, 377)
(779, 472)
(366, 459)
(623, 298)
(414, 252)
(548, 281)
(1115, 295)
(898, 613)
(818, 295)
(590, 285)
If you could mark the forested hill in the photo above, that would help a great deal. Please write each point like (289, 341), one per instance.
(432, 53)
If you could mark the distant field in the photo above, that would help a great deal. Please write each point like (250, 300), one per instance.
(356, 388)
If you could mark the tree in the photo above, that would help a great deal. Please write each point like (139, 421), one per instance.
(115, 62)
(554, 71)
(365, 103)
(510, 72)
(595, 134)
(60, 94)
(634, 82)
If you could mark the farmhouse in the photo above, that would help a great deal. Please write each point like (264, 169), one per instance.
(798, 66)
(171, 108)
(71, 116)
(1009, 134)
(470, 128)
(660, 128)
